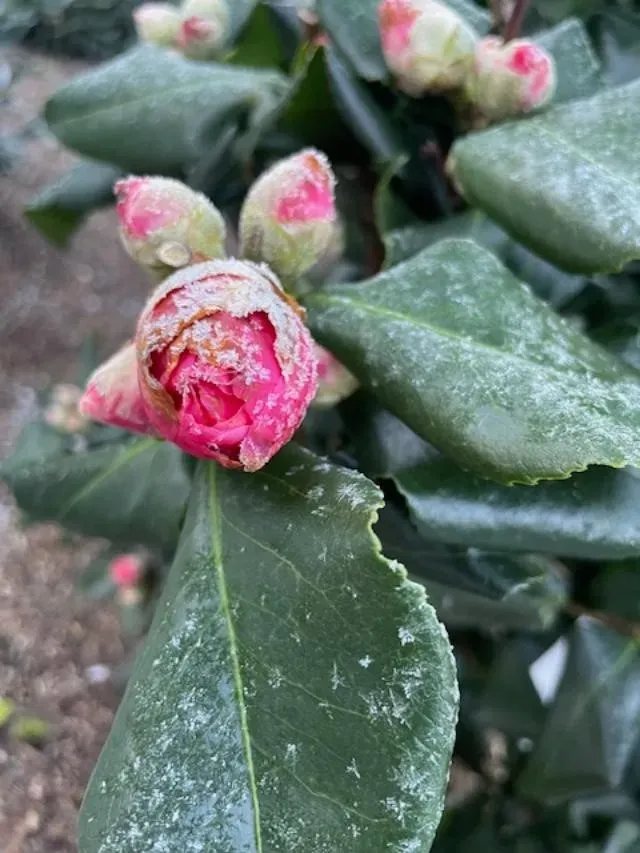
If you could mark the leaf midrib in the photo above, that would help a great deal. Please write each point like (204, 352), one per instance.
(218, 560)
(444, 333)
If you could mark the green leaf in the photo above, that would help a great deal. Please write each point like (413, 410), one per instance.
(565, 183)
(578, 69)
(296, 692)
(240, 12)
(60, 208)
(617, 589)
(474, 589)
(121, 114)
(591, 516)
(592, 729)
(258, 45)
(131, 493)
(465, 355)
(353, 27)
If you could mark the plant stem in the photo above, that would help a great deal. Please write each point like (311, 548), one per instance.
(514, 24)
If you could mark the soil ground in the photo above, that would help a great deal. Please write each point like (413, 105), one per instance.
(54, 646)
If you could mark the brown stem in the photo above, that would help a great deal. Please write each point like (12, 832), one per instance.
(616, 623)
(514, 24)
(497, 15)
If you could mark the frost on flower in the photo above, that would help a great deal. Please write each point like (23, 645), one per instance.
(165, 225)
(227, 366)
(426, 45)
(288, 218)
(510, 79)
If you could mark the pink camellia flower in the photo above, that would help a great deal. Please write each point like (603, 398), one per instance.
(335, 382)
(112, 395)
(227, 367)
(288, 218)
(510, 78)
(126, 570)
(157, 23)
(203, 28)
(427, 46)
(165, 225)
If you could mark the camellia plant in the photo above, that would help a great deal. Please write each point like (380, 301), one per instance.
(385, 381)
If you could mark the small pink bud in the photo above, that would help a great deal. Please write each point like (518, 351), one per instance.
(288, 218)
(127, 570)
(510, 79)
(335, 383)
(427, 46)
(165, 225)
(227, 367)
(157, 23)
(112, 395)
(203, 28)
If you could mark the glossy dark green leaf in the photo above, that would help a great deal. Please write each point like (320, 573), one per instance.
(616, 589)
(353, 27)
(296, 692)
(121, 114)
(463, 353)
(475, 589)
(565, 183)
(258, 45)
(593, 515)
(594, 723)
(60, 208)
(129, 493)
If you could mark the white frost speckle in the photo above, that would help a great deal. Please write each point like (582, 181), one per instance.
(352, 768)
(366, 661)
(405, 636)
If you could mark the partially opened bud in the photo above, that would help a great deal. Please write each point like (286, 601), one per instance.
(427, 46)
(227, 367)
(288, 218)
(127, 570)
(112, 395)
(203, 28)
(335, 383)
(510, 79)
(157, 23)
(165, 225)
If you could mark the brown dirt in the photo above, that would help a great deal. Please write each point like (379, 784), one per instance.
(49, 637)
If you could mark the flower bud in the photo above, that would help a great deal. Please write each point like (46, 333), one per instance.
(165, 225)
(157, 23)
(288, 218)
(112, 395)
(226, 364)
(510, 79)
(203, 28)
(335, 383)
(427, 46)
(127, 570)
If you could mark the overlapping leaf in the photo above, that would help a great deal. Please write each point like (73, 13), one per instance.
(463, 353)
(150, 110)
(296, 691)
(565, 183)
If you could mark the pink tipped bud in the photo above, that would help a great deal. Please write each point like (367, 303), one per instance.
(157, 23)
(203, 28)
(427, 46)
(510, 79)
(335, 383)
(227, 367)
(112, 395)
(165, 225)
(288, 218)
(127, 570)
